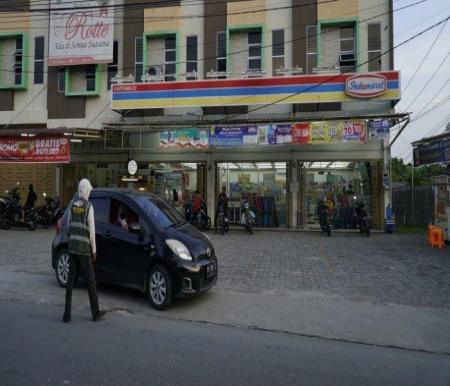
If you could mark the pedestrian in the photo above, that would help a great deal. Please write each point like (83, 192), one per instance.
(31, 200)
(82, 249)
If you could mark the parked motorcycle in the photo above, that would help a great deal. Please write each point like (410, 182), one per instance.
(363, 219)
(248, 217)
(12, 214)
(322, 212)
(200, 219)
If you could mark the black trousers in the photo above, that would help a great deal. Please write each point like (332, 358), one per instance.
(86, 264)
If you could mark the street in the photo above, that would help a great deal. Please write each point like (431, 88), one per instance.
(138, 349)
(339, 310)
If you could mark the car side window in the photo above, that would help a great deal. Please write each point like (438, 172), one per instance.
(121, 215)
(100, 206)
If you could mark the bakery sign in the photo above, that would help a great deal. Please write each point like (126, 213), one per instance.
(365, 85)
(81, 32)
(51, 149)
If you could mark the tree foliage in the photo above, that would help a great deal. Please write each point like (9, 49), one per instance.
(402, 172)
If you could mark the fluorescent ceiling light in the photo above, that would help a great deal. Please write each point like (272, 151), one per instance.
(24, 135)
(191, 165)
(77, 140)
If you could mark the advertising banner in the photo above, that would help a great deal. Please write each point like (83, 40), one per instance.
(320, 132)
(81, 35)
(184, 138)
(274, 134)
(52, 149)
(230, 136)
(301, 133)
(354, 131)
(379, 129)
(432, 153)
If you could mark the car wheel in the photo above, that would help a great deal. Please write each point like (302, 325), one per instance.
(62, 268)
(159, 288)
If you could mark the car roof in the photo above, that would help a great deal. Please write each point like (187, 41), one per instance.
(131, 193)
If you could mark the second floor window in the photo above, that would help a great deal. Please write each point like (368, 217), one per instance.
(254, 51)
(18, 60)
(277, 51)
(221, 51)
(374, 46)
(39, 60)
(112, 67)
(138, 58)
(311, 48)
(170, 58)
(61, 80)
(90, 77)
(191, 56)
(347, 54)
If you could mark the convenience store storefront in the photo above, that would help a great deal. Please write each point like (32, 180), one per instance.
(283, 165)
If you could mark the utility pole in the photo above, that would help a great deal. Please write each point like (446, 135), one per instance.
(412, 194)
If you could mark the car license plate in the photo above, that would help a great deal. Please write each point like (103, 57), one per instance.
(211, 270)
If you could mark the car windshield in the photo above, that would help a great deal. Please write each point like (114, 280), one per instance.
(161, 214)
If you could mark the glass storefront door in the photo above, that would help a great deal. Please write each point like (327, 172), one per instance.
(263, 184)
(340, 184)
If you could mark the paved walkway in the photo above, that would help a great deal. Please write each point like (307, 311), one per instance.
(386, 269)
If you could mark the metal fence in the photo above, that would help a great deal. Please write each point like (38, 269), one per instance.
(417, 210)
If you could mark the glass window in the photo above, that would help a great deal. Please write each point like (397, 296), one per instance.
(347, 40)
(191, 56)
(138, 61)
(61, 80)
(278, 43)
(39, 60)
(100, 209)
(18, 59)
(170, 58)
(90, 77)
(160, 213)
(254, 50)
(112, 67)
(374, 46)
(221, 51)
(121, 215)
(311, 48)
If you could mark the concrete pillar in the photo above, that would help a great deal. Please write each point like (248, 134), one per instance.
(211, 186)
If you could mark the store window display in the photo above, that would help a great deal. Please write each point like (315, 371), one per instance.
(340, 184)
(262, 184)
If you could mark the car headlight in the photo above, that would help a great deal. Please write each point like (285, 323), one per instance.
(179, 249)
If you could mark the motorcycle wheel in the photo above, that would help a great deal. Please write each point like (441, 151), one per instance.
(5, 224)
(207, 223)
(46, 222)
(31, 225)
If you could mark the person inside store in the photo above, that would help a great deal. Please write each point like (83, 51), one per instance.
(197, 204)
(222, 203)
(31, 200)
(82, 248)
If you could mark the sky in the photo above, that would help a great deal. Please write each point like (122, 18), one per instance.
(408, 58)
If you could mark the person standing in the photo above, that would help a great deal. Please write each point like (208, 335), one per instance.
(82, 248)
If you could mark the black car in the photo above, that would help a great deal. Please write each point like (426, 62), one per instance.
(143, 243)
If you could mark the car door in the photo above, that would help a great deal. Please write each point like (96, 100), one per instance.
(125, 252)
(101, 216)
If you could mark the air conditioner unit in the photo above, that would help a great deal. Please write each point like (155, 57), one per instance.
(347, 57)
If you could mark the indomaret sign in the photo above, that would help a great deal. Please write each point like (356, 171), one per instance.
(81, 32)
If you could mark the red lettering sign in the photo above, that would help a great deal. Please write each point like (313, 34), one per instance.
(301, 133)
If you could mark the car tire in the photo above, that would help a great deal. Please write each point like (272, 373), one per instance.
(32, 224)
(62, 268)
(159, 287)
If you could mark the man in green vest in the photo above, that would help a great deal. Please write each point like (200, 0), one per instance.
(82, 249)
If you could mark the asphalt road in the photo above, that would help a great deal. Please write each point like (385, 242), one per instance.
(36, 348)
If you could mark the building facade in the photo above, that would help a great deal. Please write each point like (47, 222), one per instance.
(281, 102)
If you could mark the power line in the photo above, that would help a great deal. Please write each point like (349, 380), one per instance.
(424, 58)
(262, 46)
(434, 96)
(427, 83)
(355, 67)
